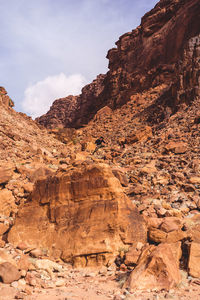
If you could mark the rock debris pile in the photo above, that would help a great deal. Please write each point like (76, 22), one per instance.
(121, 221)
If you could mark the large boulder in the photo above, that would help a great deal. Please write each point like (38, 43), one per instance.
(81, 215)
(9, 273)
(157, 268)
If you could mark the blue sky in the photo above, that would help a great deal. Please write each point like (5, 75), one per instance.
(51, 48)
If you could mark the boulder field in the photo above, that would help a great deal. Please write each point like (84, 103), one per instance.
(121, 221)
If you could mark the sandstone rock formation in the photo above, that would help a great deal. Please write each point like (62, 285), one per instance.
(163, 45)
(75, 110)
(82, 216)
(61, 201)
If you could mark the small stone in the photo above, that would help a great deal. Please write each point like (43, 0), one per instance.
(22, 246)
(60, 283)
(36, 253)
(14, 284)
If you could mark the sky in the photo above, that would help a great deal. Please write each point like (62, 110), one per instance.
(51, 48)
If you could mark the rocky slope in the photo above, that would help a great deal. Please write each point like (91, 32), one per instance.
(144, 58)
(129, 210)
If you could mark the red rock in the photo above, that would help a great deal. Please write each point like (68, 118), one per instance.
(40, 173)
(132, 256)
(121, 176)
(5, 175)
(144, 57)
(84, 209)
(194, 180)
(170, 224)
(7, 203)
(3, 228)
(157, 236)
(176, 147)
(2, 243)
(22, 246)
(153, 222)
(75, 110)
(194, 260)
(140, 135)
(9, 273)
(24, 263)
(157, 269)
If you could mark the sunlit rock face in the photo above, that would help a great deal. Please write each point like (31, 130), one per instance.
(82, 215)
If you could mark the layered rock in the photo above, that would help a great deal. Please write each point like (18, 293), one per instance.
(149, 56)
(187, 86)
(82, 216)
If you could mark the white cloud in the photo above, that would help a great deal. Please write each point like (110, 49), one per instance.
(39, 97)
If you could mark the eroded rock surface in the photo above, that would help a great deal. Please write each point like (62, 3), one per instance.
(149, 56)
(157, 269)
(82, 216)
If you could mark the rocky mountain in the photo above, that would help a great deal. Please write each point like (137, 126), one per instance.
(121, 221)
(144, 58)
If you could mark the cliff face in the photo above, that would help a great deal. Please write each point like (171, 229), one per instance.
(147, 56)
(154, 53)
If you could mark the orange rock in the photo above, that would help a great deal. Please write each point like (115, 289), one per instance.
(132, 256)
(3, 228)
(157, 269)
(2, 243)
(177, 251)
(157, 235)
(7, 203)
(89, 146)
(171, 224)
(121, 176)
(175, 236)
(176, 147)
(5, 175)
(194, 260)
(192, 227)
(149, 168)
(40, 173)
(24, 263)
(9, 273)
(141, 135)
(154, 222)
(80, 213)
(194, 180)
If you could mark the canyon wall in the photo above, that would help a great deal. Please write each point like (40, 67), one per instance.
(149, 56)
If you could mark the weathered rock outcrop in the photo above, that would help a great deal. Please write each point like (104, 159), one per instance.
(74, 111)
(147, 56)
(82, 216)
(187, 86)
(60, 111)
(5, 99)
(154, 53)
